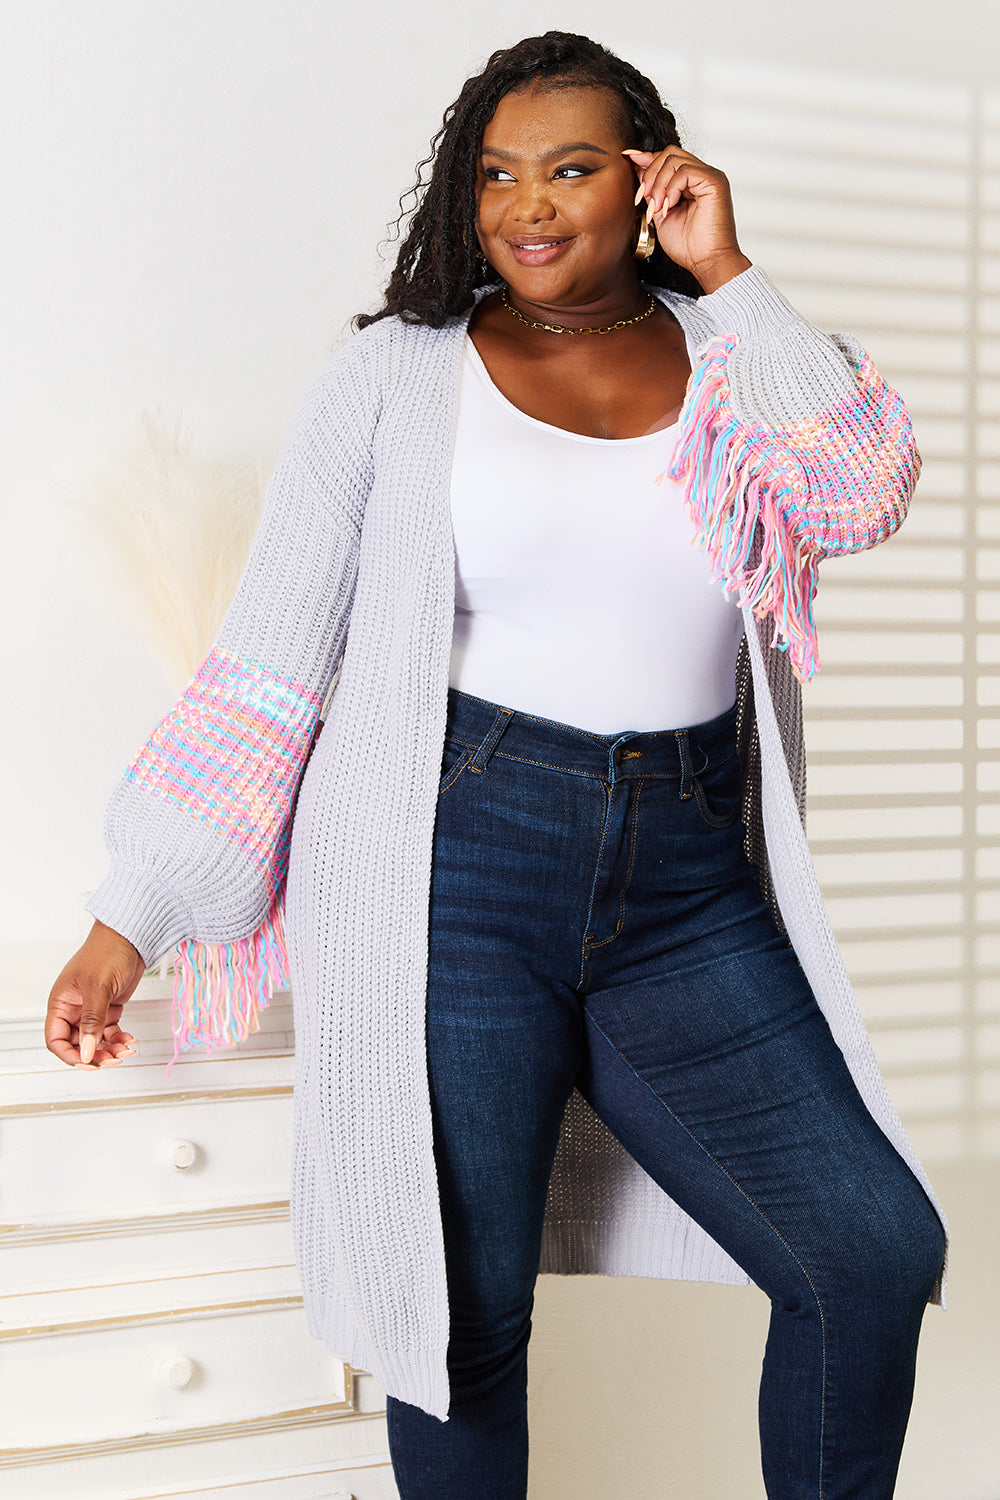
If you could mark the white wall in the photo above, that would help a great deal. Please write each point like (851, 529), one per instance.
(194, 194)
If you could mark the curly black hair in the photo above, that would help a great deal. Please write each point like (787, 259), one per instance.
(438, 265)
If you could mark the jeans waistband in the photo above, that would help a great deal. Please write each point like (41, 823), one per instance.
(680, 753)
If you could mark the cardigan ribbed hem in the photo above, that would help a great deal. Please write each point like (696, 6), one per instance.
(636, 1247)
(416, 1376)
(134, 903)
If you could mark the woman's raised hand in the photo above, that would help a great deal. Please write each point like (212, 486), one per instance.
(691, 209)
(85, 1003)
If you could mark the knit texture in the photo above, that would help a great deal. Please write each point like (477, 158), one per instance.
(353, 567)
(790, 490)
(231, 754)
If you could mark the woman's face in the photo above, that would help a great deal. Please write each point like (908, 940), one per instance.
(551, 176)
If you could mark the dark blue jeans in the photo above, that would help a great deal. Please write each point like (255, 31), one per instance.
(595, 921)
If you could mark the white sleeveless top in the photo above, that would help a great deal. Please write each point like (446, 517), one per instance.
(579, 592)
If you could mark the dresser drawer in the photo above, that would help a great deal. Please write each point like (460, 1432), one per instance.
(69, 1164)
(126, 1378)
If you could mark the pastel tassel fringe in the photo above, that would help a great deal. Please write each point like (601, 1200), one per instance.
(220, 988)
(770, 502)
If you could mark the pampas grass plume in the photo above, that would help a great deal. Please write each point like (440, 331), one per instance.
(177, 530)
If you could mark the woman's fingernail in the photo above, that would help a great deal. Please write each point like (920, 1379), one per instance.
(640, 192)
(87, 1047)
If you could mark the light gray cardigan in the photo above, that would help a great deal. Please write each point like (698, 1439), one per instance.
(353, 564)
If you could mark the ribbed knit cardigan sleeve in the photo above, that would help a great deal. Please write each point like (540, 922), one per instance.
(198, 825)
(792, 448)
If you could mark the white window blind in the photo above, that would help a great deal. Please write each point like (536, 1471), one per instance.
(875, 206)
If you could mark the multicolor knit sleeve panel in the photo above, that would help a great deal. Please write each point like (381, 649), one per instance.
(230, 754)
(198, 826)
(772, 497)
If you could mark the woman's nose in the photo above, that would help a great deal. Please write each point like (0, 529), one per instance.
(532, 204)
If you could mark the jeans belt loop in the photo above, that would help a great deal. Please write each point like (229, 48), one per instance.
(486, 748)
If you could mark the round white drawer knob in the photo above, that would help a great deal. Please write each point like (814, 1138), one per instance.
(182, 1154)
(177, 1370)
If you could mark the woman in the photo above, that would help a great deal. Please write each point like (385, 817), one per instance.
(537, 1025)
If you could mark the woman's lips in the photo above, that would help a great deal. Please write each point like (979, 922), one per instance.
(539, 255)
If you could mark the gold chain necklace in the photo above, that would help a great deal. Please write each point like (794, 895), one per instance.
(558, 328)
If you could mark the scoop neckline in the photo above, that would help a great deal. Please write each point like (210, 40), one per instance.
(580, 437)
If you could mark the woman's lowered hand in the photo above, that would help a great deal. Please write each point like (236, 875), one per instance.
(85, 1003)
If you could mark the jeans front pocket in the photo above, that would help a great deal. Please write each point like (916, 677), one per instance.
(718, 791)
(454, 759)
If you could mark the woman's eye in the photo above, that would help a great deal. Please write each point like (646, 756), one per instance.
(493, 174)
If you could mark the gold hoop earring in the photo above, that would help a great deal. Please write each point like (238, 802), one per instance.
(646, 239)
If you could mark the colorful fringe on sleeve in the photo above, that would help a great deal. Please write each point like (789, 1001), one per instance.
(220, 988)
(231, 753)
(831, 483)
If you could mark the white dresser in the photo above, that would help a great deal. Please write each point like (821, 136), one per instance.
(153, 1340)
